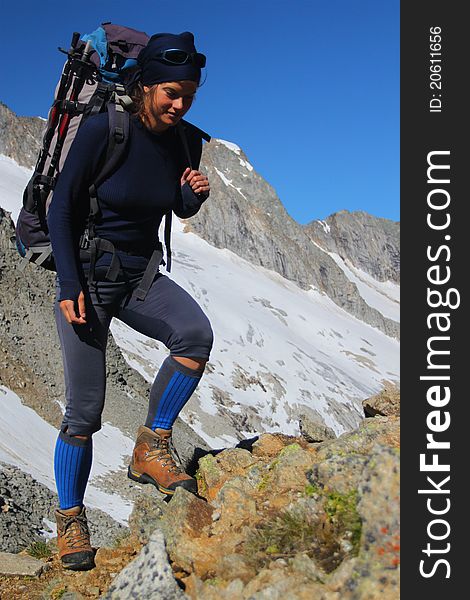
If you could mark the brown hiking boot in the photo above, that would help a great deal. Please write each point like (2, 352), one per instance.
(153, 463)
(73, 539)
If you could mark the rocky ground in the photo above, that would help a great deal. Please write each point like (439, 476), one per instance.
(282, 518)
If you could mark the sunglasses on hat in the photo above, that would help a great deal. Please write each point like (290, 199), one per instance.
(173, 56)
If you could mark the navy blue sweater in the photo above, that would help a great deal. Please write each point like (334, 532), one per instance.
(132, 200)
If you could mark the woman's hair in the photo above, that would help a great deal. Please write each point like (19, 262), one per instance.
(138, 96)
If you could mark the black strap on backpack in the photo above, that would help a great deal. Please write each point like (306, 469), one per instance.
(168, 216)
(180, 128)
(119, 126)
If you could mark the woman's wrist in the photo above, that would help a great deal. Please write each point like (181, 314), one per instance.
(68, 290)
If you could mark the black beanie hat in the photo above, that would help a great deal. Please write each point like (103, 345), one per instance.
(155, 70)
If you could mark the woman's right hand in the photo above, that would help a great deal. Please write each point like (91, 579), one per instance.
(74, 310)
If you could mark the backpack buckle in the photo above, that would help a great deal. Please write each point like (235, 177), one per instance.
(119, 134)
(84, 243)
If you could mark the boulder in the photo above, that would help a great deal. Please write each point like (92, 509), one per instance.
(314, 430)
(146, 516)
(15, 565)
(386, 403)
(214, 471)
(148, 576)
(270, 444)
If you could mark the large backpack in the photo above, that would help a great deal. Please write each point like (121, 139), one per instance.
(97, 76)
(94, 79)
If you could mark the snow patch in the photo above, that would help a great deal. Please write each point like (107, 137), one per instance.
(381, 295)
(284, 339)
(230, 145)
(33, 452)
(234, 148)
(228, 182)
(13, 180)
(51, 529)
(246, 164)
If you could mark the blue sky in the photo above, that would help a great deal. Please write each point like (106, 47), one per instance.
(308, 89)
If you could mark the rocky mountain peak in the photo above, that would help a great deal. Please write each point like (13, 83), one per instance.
(370, 243)
(20, 137)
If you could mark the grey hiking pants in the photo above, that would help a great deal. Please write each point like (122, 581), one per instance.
(168, 314)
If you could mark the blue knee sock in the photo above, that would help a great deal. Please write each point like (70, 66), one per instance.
(72, 464)
(170, 391)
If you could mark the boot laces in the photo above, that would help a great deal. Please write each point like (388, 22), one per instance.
(162, 453)
(75, 532)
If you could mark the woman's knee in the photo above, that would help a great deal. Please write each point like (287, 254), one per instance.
(81, 423)
(67, 435)
(207, 337)
(195, 340)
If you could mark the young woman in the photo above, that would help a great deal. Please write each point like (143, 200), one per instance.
(152, 180)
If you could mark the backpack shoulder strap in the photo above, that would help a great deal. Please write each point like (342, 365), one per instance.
(191, 138)
(192, 129)
(168, 216)
(118, 136)
(183, 128)
(184, 140)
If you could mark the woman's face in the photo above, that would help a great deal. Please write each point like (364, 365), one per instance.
(169, 102)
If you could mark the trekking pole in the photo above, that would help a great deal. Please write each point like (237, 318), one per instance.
(66, 117)
(55, 110)
(87, 52)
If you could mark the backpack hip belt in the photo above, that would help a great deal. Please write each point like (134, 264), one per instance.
(98, 245)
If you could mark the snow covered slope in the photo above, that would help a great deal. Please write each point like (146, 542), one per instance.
(279, 351)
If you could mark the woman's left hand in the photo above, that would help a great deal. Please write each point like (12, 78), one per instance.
(198, 182)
